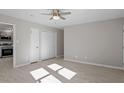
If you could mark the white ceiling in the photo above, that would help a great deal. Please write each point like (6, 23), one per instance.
(77, 16)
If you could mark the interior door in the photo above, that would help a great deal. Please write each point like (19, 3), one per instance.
(44, 45)
(48, 45)
(34, 45)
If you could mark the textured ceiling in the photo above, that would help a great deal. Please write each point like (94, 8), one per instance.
(78, 16)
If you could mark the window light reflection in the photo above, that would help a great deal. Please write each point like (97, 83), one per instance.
(67, 73)
(55, 67)
(39, 73)
(50, 79)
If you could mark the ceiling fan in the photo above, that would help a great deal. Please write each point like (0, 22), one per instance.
(57, 14)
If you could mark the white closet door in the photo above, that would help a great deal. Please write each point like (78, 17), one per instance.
(44, 45)
(48, 45)
(34, 55)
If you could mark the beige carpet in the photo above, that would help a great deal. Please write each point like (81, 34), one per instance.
(57, 70)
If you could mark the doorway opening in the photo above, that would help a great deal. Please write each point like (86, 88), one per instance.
(7, 45)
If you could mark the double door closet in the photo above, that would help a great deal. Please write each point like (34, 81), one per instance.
(43, 45)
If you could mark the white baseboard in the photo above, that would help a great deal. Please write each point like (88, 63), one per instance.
(21, 65)
(96, 64)
(60, 56)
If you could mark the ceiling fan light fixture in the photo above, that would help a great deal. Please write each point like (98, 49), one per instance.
(56, 14)
(56, 17)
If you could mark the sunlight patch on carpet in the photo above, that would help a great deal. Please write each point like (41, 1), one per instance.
(50, 79)
(39, 73)
(55, 67)
(67, 73)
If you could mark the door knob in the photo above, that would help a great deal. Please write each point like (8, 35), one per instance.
(37, 47)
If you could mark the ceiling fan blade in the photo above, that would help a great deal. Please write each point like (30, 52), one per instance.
(51, 18)
(46, 13)
(65, 13)
(62, 18)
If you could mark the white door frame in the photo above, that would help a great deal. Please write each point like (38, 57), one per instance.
(14, 42)
(55, 42)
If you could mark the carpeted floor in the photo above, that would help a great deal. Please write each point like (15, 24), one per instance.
(58, 70)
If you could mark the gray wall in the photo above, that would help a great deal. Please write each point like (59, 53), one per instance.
(97, 42)
(23, 37)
